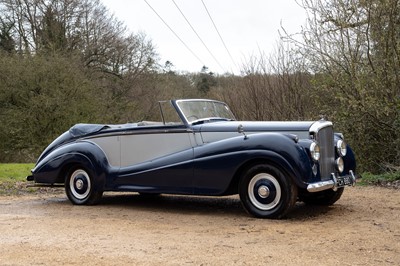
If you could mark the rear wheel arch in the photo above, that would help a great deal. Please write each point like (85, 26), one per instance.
(72, 160)
(80, 153)
(90, 159)
(62, 176)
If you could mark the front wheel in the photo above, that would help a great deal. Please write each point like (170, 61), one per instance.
(80, 189)
(266, 192)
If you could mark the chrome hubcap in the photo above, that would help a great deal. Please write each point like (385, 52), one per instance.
(263, 192)
(79, 184)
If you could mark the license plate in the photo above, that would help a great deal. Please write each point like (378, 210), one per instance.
(344, 181)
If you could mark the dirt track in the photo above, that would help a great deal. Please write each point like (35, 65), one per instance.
(363, 228)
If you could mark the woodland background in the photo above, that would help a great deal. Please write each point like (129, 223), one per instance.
(70, 61)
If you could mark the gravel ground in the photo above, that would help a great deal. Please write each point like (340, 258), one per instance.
(362, 228)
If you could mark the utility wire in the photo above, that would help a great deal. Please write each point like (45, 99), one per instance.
(216, 29)
(215, 59)
(176, 35)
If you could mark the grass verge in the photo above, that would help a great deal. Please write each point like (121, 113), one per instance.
(386, 180)
(11, 172)
(13, 179)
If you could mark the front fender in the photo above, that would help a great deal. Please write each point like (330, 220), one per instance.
(52, 168)
(217, 164)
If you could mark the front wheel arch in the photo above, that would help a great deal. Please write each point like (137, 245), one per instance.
(234, 184)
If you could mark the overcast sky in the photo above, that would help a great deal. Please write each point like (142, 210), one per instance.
(245, 27)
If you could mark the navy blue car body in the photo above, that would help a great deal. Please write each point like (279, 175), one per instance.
(200, 149)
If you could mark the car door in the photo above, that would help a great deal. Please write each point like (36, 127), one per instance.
(157, 159)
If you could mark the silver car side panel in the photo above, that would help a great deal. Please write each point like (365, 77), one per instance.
(127, 150)
(111, 147)
(141, 148)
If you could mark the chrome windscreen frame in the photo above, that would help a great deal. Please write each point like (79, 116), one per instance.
(183, 115)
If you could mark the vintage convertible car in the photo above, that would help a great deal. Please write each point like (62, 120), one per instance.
(200, 149)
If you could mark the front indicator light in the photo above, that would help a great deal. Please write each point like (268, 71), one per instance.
(315, 151)
(340, 164)
(341, 148)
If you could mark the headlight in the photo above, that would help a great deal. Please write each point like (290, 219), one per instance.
(341, 147)
(340, 164)
(315, 151)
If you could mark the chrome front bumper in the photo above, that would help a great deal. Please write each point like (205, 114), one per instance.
(336, 182)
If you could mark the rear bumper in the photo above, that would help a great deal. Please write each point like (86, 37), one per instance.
(31, 178)
(334, 183)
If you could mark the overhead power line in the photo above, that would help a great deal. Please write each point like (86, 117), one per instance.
(176, 35)
(216, 29)
(215, 59)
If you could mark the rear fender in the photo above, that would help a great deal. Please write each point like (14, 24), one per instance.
(53, 168)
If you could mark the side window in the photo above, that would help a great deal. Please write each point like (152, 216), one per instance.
(169, 114)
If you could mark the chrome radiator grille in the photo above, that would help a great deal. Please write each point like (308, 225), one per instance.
(326, 142)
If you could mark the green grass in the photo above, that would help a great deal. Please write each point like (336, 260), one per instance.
(13, 180)
(11, 172)
(13, 177)
(371, 179)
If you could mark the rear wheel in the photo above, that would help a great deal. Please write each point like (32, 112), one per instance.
(80, 188)
(266, 192)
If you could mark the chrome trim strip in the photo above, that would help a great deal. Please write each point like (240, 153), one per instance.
(139, 131)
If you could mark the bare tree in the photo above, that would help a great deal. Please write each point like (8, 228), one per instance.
(352, 48)
(272, 88)
(84, 27)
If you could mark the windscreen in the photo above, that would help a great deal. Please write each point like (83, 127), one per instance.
(195, 110)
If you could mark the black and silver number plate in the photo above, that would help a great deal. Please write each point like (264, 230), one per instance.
(342, 181)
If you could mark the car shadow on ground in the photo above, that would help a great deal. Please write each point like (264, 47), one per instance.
(205, 205)
(177, 204)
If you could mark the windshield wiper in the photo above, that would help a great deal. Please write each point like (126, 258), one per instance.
(199, 122)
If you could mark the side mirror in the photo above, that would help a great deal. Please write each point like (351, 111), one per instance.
(240, 130)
